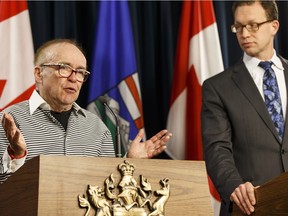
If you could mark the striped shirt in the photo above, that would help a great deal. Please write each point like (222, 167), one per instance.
(86, 134)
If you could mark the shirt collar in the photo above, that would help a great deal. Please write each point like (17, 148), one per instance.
(252, 62)
(36, 101)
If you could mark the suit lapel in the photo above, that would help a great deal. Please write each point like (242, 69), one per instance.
(245, 83)
(285, 65)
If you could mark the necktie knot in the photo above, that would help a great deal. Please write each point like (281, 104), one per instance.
(266, 65)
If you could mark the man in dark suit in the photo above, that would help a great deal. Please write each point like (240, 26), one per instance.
(242, 146)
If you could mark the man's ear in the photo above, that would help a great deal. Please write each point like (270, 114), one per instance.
(38, 75)
(275, 26)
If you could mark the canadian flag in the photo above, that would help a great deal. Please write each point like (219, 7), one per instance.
(17, 53)
(198, 57)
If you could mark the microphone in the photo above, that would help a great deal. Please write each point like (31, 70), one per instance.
(104, 101)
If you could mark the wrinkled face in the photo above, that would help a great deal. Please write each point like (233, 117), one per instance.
(258, 43)
(57, 91)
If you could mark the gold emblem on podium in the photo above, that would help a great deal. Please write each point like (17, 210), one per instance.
(132, 199)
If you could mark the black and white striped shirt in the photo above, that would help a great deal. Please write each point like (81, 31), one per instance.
(86, 134)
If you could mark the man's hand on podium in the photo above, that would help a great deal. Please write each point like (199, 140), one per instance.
(244, 197)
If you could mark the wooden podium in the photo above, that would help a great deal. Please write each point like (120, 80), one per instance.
(50, 185)
(271, 197)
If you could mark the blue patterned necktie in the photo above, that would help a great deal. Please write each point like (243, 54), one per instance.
(272, 97)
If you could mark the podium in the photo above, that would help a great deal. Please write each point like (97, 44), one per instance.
(271, 198)
(50, 185)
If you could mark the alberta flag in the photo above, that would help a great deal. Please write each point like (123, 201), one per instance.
(114, 73)
(17, 53)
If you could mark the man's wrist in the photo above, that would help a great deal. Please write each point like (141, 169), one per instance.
(15, 156)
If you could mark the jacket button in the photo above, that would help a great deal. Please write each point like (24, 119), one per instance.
(282, 151)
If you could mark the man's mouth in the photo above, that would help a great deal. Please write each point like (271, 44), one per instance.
(70, 90)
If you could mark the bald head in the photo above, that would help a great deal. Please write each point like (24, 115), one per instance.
(46, 53)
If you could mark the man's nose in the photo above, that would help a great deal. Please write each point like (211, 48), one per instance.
(72, 77)
(245, 32)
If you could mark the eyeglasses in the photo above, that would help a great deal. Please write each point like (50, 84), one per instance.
(65, 70)
(253, 27)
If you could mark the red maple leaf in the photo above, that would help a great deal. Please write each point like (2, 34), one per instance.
(2, 85)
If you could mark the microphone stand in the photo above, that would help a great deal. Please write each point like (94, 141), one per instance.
(118, 137)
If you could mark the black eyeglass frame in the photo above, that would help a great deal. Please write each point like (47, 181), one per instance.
(252, 27)
(67, 67)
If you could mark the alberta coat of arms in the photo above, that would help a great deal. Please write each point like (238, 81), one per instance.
(132, 199)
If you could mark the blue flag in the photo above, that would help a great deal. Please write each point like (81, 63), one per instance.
(114, 72)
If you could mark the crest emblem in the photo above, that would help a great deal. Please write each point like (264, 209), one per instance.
(133, 199)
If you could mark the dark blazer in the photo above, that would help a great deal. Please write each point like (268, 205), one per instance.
(239, 138)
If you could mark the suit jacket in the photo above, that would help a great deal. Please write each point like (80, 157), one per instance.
(239, 138)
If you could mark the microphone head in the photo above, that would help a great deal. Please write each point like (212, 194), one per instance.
(102, 99)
